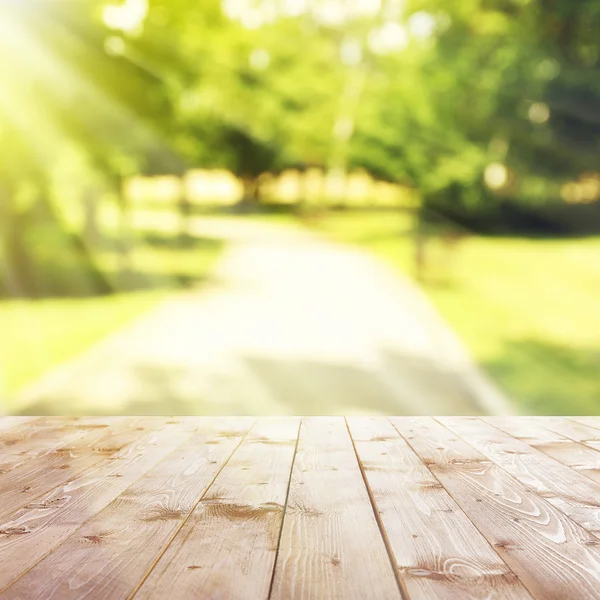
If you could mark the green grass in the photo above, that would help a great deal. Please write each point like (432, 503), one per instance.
(39, 334)
(527, 309)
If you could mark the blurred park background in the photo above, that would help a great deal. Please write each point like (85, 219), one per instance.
(299, 206)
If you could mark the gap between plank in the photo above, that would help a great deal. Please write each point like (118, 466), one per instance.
(287, 496)
(518, 481)
(562, 435)
(8, 424)
(458, 503)
(186, 519)
(583, 442)
(574, 419)
(541, 425)
(401, 585)
(83, 473)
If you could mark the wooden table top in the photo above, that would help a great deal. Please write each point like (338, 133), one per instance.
(286, 508)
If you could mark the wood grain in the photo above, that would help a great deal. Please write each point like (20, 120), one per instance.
(7, 423)
(227, 547)
(22, 485)
(574, 430)
(438, 551)
(566, 489)
(580, 457)
(107, 557)
(589, 421)
(37, 437)
(550, 553)
(29, 438)
(526, 429)
(34, 530)
(331, 546)
(185, 507)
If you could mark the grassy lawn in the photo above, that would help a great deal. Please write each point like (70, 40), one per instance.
(38, 334)
(527, 309)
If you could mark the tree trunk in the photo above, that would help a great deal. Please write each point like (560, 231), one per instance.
(17, 271)
(251, 200)
(420, 246)
(125, 241)
(91, 231)
(76, 242)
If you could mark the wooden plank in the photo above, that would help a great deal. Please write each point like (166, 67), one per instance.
(27, 436)
(70, 439)
(566, 489)
(7, 423)
(437, 549)
(33, 439)
(108, 556)
(549, 552)
(589, 421)
(227, 548)
(574, 430)
(35, 428)
(582, 458)
(33, 531)
(23, 485)
(331, 545)
(76, 436)
(526, 429)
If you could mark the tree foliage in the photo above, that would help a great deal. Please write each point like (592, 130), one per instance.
(470, 103)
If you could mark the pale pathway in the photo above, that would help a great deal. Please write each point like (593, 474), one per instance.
(291, 324)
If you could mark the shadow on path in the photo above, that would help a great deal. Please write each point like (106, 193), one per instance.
(292, 324)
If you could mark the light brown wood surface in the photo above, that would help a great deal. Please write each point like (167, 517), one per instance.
(576, 455)
(550, 553)
(331, 545)
(573, 493)
(438, 550)
(286, 508)
(227, 548)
